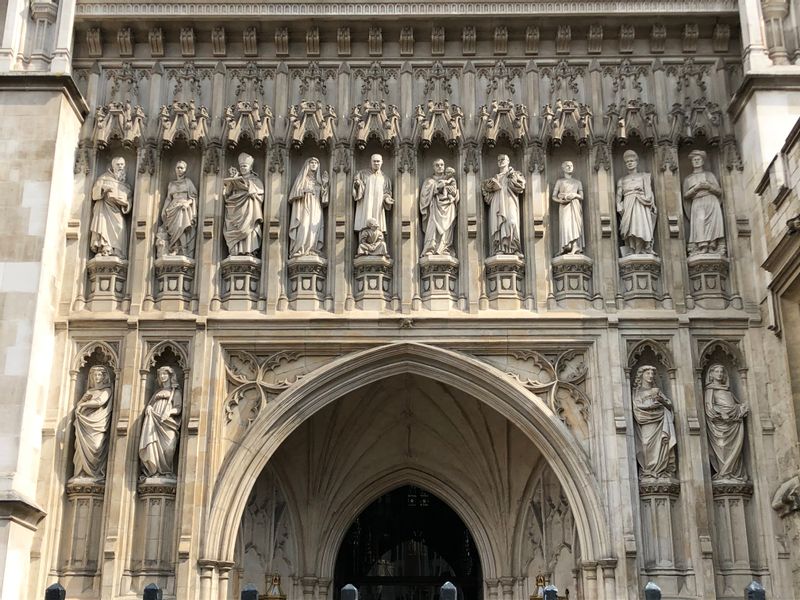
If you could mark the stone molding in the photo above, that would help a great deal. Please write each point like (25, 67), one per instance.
(18, 509)
(367, 9)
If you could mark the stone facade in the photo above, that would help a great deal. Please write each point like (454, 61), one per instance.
(219, 351)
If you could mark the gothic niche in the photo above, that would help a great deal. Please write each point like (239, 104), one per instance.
(93, 379)
(110, 203)
(267, 543)
(704, 221)
(568, 208)
(164, 407)
(551, 551)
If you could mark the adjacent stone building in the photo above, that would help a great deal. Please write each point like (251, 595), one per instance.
(302, 294)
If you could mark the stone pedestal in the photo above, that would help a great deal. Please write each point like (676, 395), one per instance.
(641, 277)
(504, 285)
(82, 524)
(572, 277)
(658, 498)
(439, 281)
(731, 547)
(174, 277)
(373, 281)
(240, 277)
(708, 280)
(307, 275)
(107, 276)
(155, 518)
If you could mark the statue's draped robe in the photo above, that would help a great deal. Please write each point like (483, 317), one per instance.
(438, 200)
(636, 204)
(244, 198)
(725, 423)
(373, 198)
(159, 437)
(92, 417)
(111, 201)
(570, 215)
(705, 218)
(656, 433)
(306, 228)
(504, 223)
(179, 217)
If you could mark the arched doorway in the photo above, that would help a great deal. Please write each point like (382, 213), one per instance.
(404, 546)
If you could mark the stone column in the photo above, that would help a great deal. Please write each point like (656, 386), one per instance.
(471, 205)
(341, 244)
(589, 578)
(775, 11)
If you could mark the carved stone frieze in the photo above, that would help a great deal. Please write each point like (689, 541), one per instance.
(440, 119)
(248, 120)
(375, 120)
(183, 120)
(503, 120)
(312, 120)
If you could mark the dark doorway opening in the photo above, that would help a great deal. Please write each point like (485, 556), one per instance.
(404, 546)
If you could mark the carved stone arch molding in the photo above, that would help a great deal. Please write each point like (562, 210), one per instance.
(729, 349)
(106, 350)
(159, 348)
(483, 382)
(383, 483)
(659, 350)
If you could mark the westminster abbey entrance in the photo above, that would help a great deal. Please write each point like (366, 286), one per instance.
(404, 546)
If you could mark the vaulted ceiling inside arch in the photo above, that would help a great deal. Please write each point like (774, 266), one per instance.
(443, 439)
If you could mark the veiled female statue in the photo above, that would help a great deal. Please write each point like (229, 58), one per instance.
(568, 194)
(636, 206)
(308, 195)
(160, 426)
(706, 226)
(655, 428)
(725, 415)
(92, 418)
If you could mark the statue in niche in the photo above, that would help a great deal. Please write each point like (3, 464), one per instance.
(636, 206)
(111, 201)
(438, 201)
(178, 229)
(501, 193)
(372, 192)
(371, 241)
(702, 190)
(655, 427)
(725, 415)
(308, 195)
(160, 426)
(568, 194)
(92, 418)
(244, 198)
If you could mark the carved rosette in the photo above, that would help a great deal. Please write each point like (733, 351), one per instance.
(572, 276)
(438, 119)
(439, 281)
(504, 284)
(240, 278)
(373, 281)
(248, 120)
(118, 121)
(313, 120)
(503, 120)
(307, 276)
(708, 279)
(374, 119)
(107, 277)
(183, 121)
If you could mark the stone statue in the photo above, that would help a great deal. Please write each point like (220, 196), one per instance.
(179, 216)
(371, 241)
(111, 201)
(92, 418)
(725, 424)
(568, 194)
(637, 207)
(160, 426)
(501, 193)
(438, 202)
(655, 428)
(308, 195)
(372, 192)
(244, 197)
(701, 189)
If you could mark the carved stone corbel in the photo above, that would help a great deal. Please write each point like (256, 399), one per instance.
(569, 118)
(314, 120)
(377, 120)
(183, 120)
(248, 120)
(438, 118)
(632, 116)
(503, 119)
(118, 121)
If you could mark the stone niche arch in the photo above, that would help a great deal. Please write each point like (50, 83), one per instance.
(486, 384)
